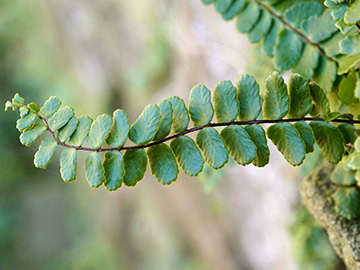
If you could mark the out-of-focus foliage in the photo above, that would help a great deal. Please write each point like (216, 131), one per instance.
(310, 243)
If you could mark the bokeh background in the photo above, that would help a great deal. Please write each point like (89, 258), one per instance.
(99, 55)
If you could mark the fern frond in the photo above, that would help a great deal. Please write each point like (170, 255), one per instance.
(320, 42)
(237, 108)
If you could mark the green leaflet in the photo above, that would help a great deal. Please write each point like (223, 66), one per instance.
(94, 170)
(8, 105)
(350, 45)
(271, 37)
(347, 62)
(248, 98)
(143, 130)
(321, 105)
(99, 130)
(347, 201)
(248, 17)
(308, 61)
(207, 2)
(81, 132)
(300, 99)
(352, 16)
(314, 32)
(31, 135)
(50, 107)
(329, 140)
(347, 90)
(338, 14)
(45, 153)
(17, 100)
(66, 131)
(331, 45)
(276, 101)
(257, 135)
(222, 5)
(336, 115)
(348, 132)
(213, 148)
(353, 161)
(163, 163)
(261, 27)
(27, 121)
(298, 13)
(240, 146)
(135, 162)
(60, 118)
(180, 117)
(331, 4)
(34, 107)
(288, 49)
(341, 176)
(114, 170)
(23, 111)
(200, 107)
(68, 164)
(288, 142)
(119, 129)
(165, 122)
(306, 135)
(188, 155)
(343, 27)
(225, 102)
(325, 74)
(234, 9)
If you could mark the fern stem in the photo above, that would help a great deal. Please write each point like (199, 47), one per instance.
(303, 37)
(235, 123)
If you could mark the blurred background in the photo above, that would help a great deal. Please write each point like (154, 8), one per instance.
(99, 55)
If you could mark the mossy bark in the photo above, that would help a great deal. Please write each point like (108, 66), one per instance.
(344, 234)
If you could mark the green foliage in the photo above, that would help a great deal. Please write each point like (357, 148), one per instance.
(144, 129)
(68, 164)
(135, 163)
(310, 242)
(248, 98)
(60, 118)
(257, 135)
(119, 129)
(347, 202)
(330, 141)
(225, 102)
(45, 153)
(151, 129)
(320, 43)
(99, 130)
(162, 163)
(300, 99)
(200, 107)
(188, 155)
(213, 147)
(165, 123)
(288, 141)
(95, 173)
(114, 170)
(306, 134)
(276, 103)
(240, 146)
